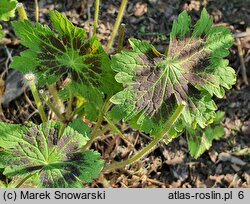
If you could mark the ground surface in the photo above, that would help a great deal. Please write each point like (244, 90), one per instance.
(227, 163)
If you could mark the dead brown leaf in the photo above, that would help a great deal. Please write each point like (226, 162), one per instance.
(140, 9)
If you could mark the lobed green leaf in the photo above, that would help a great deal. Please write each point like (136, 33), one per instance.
(7, 9)
(192, 70)
(51, 55)
(91, 96)
(200, 140)
(40, 150)
(81, 127)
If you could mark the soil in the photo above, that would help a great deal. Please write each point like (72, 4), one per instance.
(225, 164)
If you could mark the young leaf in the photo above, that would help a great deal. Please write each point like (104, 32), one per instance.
(52, 55)
(200, 140)
(192, 70)
(7, 9)
(92, 98)
(81, 127)
(2, 185)
(39, 149)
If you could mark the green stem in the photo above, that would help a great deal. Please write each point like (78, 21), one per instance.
(90, 23)
(52, 107)
(94, 134)
(53, 91)
(104, 129)
(69, 106)
(61, 130)
(114, 128)
(97, 3)
(38, 102)
(116, 25)
(24, 179)
(152, 144)
(76, 111)
(121, 37)
(36, 11)
(21, 12)
(98, 124)
(2, 87)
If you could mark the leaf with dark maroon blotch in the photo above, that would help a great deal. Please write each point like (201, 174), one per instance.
(50, 55)
(193, 69)
(55, 159)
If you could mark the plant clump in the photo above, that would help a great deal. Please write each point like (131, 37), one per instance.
(161, 94)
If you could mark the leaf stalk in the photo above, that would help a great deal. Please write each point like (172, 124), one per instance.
(36, 11)
(97, 5)
(116, 25)
(121, 37)
(98, 124)
(24, 180)
(38, 102)
(21, 12)
(152, 144)
(53, 91)
(52, 107)
(113, 127)
(68, 111)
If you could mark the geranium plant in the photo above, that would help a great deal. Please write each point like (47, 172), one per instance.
(161, 94)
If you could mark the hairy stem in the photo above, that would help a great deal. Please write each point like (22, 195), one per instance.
(116, 25)
(24, 179)
(94, 134)
(76, 111)
(97, 3)
(52, 107)
(89, 21)
(61, 130)
(21, 12)
(68, 110)
(2, 88)
(38, 102)
(53, 91)
(114, 128)
(152, 144)
(98, 124)
(121, 37)
(36, 11)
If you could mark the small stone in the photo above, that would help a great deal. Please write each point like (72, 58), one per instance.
(235, 167)
(218, 169)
